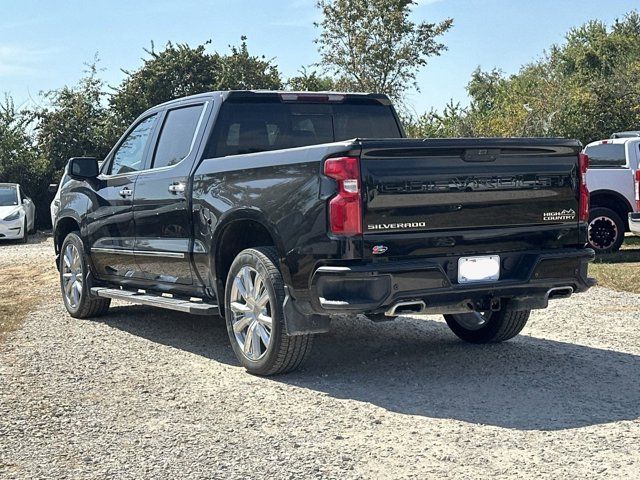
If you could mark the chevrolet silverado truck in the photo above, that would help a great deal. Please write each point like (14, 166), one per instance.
(280, 210)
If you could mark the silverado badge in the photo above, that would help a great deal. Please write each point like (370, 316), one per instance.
(396, 226)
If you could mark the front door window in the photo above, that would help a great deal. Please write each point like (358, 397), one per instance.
(130, 154)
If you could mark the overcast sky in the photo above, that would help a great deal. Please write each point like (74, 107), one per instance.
(44, 44)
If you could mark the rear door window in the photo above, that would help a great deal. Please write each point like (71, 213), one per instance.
(606, 155)
(177, 135)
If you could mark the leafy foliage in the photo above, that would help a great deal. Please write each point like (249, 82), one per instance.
(586, 88)
(174, 72)
(75, 123)
(180, 70)
(311, 82)
(241, 71)
(86, 119)
(454, 121)
(19, 162)
(373, 46)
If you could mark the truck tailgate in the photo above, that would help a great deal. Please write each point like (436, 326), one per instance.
(453, 186)
(447, 185)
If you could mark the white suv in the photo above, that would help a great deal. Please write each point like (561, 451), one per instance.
(612, 180)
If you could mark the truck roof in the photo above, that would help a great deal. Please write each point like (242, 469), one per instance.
(628, 134)
(281, 94)
(480, 142)
(613, 141)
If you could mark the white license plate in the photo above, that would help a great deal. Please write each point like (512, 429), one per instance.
(479, 269)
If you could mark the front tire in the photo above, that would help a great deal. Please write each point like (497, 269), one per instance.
(33, 227)
(606, 230)
(488, 327)
(75, 277)
(25, 233)
(254, 299)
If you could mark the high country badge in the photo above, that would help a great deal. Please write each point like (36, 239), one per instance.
(564, 215)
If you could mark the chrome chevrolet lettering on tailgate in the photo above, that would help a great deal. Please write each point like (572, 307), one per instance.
(470, 184)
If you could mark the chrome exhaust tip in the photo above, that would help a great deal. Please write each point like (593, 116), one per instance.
(559, 292)
(406, 308)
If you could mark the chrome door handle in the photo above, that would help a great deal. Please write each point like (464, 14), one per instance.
(177, 187)
(126, 192)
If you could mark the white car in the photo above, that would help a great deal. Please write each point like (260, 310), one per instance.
(613, 181)
(17, 213)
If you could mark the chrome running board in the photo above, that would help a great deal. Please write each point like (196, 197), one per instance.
(187, 306)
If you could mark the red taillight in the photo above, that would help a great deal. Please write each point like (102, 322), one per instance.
(584, 191)
(345, 209)
(637, 190)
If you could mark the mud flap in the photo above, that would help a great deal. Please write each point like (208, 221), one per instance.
(298, 323)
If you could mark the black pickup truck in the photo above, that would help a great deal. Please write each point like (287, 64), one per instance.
(278, 210)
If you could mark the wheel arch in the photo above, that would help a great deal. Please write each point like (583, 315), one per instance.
(64, 226)
(237, 231)
(614, 201)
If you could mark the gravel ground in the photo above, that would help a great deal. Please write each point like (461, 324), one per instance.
(38, 251)
(144, 393)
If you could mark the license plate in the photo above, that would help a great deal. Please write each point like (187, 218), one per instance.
(479, 269)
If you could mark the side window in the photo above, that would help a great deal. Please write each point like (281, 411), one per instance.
(176, 137)
(606, 155)
(130, 154)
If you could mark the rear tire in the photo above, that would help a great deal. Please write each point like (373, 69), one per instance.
(254, 299)
(489, 327)
(75, 280)
(606, 230)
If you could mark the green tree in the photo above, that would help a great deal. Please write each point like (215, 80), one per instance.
(174, 72)
(585, 88)
(454, 121)
(19, 162)
(311, 81)
(180, 70)
(599, 69)
(373, 46)
(242, 71)
(75, 122)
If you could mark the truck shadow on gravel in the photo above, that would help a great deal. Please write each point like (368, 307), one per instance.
(417, 367)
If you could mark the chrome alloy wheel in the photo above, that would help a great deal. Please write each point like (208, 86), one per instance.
(72, 275)
(603, 232)
(251, 307)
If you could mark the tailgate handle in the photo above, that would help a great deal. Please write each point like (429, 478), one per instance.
(481, 154)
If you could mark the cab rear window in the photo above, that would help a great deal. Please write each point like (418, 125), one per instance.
(257, 127)
(606, 155)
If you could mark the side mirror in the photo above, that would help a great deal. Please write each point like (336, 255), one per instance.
(53, 188)
(83, 167)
